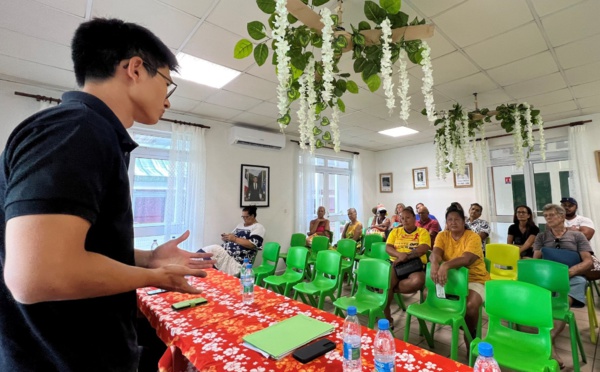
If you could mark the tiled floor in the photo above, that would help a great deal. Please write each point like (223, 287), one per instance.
(443, 335)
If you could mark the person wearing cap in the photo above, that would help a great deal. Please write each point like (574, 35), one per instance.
(477, 225)
(575, 222)
(381, 223)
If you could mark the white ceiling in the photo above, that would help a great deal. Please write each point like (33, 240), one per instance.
(545, 52)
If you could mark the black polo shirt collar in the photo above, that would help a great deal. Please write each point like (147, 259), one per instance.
(97, 105)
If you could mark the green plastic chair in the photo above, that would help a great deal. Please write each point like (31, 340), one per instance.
(366, 247)
(298, 240)
(319, 243)
(446, 311)
(554, 277)
(504, 258)
(373, 277)
(518, 303)
(270, 257)
(325, 282)
(294, 272)
(378, 251)
(347, 248)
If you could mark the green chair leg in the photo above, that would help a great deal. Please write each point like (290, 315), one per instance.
(399, 301)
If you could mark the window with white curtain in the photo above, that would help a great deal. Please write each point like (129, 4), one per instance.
(148, 178)
(332, 190)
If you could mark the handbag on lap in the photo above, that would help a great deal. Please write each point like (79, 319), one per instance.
(404, 269)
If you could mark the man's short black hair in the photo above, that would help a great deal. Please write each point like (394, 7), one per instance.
(101, 44)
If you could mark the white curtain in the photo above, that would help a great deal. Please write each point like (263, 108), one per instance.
(356, 189)
(305, 189)
(481, 167)
(583, 177)
(185, 203)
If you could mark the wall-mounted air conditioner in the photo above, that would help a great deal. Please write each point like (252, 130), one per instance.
(257, 138)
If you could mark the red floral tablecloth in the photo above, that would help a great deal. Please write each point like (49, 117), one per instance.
(209, 337)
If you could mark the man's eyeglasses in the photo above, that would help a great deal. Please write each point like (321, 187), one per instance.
(244, 217)
(171, 87)
(549, 215)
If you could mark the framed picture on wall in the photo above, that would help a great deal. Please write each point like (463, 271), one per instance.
(464, 180)
(255, 188)
(420, 178)
(385, 182)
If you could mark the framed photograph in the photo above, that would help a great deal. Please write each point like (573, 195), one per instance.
(420, 178)
(464, 180)
(385, 182)
(597, 157)
(255, 188)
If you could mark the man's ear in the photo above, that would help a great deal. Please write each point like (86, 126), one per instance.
(133, 68)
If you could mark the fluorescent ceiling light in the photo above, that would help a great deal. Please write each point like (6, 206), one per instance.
(203, 72)
(399, 131)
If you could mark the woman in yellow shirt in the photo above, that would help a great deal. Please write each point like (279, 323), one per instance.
(353, 229)
(405, 243)
(458, 247)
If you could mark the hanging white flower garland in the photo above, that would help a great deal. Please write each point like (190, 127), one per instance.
(403, 86)
(311, 95)
(529, 124)
(427, 88)
(283, 60)
(540, 124)
(335, 119)
(304, 111)
(518, 139)
(327, 54)
(386, 64)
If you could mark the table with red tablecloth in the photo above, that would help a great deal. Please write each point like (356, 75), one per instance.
(209, 337)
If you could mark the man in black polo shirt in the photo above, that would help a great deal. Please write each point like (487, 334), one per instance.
(69, 268)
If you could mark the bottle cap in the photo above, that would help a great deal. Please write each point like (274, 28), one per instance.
(485, 349)
(249, 266)
(351, 310)
(246, 260)
(383, 324)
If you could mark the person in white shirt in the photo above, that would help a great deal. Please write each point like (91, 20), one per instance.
(576, 222)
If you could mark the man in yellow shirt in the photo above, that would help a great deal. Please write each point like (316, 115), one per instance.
(458, 247)
(406, 243)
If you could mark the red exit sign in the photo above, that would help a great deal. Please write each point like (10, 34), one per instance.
(507, 180)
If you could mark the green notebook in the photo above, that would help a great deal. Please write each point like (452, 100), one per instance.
(282, 338)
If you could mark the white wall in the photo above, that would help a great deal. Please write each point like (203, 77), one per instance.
(400, 162)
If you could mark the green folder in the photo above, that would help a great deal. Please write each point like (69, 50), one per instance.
(282, 338)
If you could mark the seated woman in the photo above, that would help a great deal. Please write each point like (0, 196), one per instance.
(396, 219)
(319, 226)
(380, 224)
(406, 243)
(353, 229)
(458, 247)
(523, 231)
(558, 236)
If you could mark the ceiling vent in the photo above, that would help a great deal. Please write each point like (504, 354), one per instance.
(256, 138)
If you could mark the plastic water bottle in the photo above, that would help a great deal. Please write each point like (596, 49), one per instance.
(154, 245)
(485, 362)
(351, 332)
(248, 282)
(384, 348)
(242, 273)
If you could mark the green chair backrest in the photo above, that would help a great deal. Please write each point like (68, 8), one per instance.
(370, 239)
(378, 251)
(271, 253)
(457, 286)
(319, 243)
(551, 275)
(296, 259)
(373, 275)
(328, 266)
(347, 248)
(298, 240)
(504, 258)
(519, 303)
